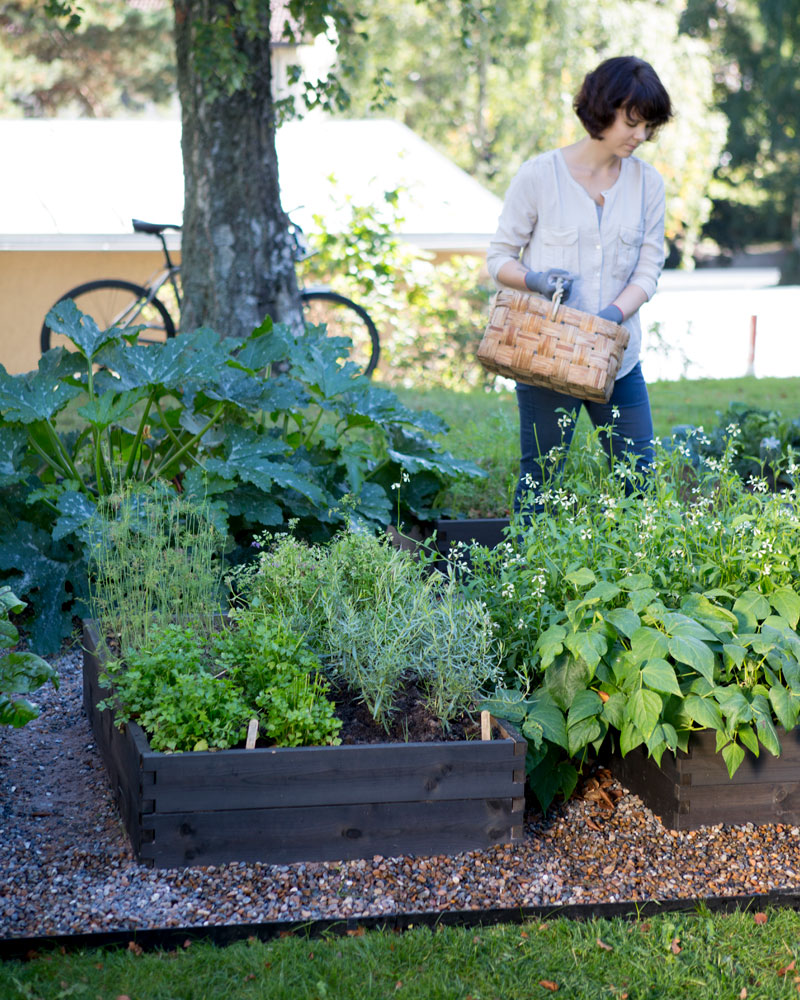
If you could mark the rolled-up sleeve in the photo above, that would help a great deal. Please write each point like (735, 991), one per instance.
(517, 220)
(651, 255)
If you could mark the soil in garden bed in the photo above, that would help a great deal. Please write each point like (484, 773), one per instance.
(411, 721)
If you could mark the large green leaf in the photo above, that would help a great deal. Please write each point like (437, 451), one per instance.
(636, 581)
(565, 677)
(614, 709)
(695, 653)
(249, 457)
(644, 711)
(414, 452)
(624, 620)
(659, 675)
(192, 357)
(76, 511)
(111, 407)
(36, 395)
(23, 672)
(586, 704)
(506, 704)
(750, 608)
(735, 707)
(762, 715)
(581, 578)
(733, 755)
(582, 734)
(589, 645)
(787, 603)
(543, 710)
(716, 618)
(648, 643)
(67, 319)
(703, 711)
(784, 706)
(266, 345)
(13, 441)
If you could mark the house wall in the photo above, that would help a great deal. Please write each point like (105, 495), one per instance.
(31, 281)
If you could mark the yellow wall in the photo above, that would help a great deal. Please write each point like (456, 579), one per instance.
(31, 281)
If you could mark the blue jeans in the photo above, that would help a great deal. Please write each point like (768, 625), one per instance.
(539, 430)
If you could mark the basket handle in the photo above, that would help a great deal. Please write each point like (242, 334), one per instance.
(558, 294)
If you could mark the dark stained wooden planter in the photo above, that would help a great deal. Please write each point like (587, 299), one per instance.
(486, 531)
(282, 805)
(692, 790)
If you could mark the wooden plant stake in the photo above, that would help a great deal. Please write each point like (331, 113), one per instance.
(252, 734)
(486, 725)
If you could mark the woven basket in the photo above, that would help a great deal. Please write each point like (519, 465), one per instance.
(574, 352)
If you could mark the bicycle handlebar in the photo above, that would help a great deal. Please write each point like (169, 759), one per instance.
(153, 228)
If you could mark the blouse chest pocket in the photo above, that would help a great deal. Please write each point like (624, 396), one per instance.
(560, 248)
(627, 253)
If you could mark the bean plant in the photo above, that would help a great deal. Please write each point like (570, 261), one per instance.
(643, 617)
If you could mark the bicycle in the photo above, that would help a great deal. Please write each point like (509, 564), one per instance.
(121, 303)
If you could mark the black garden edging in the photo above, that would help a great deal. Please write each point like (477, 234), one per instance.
(174, 938)
(284, 805)
(693, 789)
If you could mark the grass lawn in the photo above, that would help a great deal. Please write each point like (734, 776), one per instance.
(697, 955)
(484, 427)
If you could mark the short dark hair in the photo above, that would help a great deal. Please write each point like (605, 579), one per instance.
(622, 82)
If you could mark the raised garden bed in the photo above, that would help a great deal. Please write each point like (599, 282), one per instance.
(283, 805)
(486, 531)
(693, 789)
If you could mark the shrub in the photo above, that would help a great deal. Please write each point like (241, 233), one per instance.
(204, 414)
(21, 672)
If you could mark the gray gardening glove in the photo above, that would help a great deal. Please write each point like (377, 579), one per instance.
(544, 282)
(612, 312)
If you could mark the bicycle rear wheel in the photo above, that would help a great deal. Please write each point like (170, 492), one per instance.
(345, 318)
(113, 302)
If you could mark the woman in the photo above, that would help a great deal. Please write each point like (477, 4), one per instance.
(593, 214)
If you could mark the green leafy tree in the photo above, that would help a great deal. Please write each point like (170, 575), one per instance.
(118, 56)
(757, 69)
(497, 82)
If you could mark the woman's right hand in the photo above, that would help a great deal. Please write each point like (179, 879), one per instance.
(545, 282)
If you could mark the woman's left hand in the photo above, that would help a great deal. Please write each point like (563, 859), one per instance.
(612, 312)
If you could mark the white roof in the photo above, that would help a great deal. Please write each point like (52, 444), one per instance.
(77, 184)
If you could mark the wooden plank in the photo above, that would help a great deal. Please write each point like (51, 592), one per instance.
(254, 784)
(484, 530)
(331, 833)
(641, 775)
(764, 802)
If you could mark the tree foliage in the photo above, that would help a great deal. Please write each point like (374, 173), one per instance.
(756, 45)
(112, 56)
(496, 83)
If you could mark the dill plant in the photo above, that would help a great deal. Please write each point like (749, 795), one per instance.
(156, 557)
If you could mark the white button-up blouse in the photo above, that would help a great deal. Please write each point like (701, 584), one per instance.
(553, 221)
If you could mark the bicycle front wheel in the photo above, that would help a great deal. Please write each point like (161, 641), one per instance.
(345, 318)
(112, 302)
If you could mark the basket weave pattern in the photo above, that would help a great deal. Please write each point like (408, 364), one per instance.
(575, 353)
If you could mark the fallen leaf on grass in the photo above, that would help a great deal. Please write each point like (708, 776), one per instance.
(604, 946)
(358, 932)
(249, 976)
(787, 968)
(549, 984)
(675, 946)
(743, 994)
(760, 918)
(137, 949)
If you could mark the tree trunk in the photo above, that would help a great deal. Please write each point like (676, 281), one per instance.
(237, 262)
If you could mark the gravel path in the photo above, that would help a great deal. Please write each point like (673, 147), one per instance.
(67, 866)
